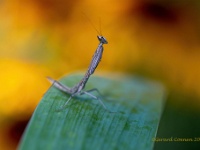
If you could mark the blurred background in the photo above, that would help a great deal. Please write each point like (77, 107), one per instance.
(157, 39)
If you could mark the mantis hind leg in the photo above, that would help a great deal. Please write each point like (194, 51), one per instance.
(94, 90)
(101, 95)
(63, 107)
(100, 101)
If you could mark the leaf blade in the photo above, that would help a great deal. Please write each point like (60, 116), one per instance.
(85, 124)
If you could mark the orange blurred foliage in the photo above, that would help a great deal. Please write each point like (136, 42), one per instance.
(22, 87)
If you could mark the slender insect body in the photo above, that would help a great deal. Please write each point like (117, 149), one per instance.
(96, 59)
(83, 82)
(78, 88)
(97, 55)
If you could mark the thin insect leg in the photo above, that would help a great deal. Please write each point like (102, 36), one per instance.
(84, 92)
(94, 90)
(59, 85)
(66, 103)
(101, 95)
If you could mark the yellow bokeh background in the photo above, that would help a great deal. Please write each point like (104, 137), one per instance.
(39, 38)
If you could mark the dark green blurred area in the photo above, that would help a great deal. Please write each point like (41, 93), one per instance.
(179, 121)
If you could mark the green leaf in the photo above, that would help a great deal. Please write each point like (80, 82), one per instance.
(85, 124)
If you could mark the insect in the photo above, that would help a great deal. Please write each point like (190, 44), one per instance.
(78, 88)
